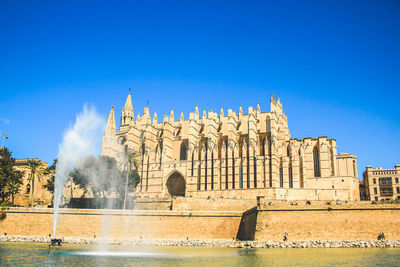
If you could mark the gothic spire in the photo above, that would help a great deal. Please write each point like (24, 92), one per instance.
(127, 111)
(111, 126)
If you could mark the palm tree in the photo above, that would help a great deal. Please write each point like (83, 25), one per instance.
(35, 170)
(14, 185)
(131, 162)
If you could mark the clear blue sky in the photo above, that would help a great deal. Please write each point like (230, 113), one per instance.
(334, 64)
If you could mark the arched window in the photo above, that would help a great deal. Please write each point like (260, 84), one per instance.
(142, 162)
(183, 155)
(28, 189)
(192, 162)
(147, 173)
(242, 158)
(248, 167)
(205, 168)
(226, 164)
(212, 171)
(233, 169)
(255, 168)
(290, 175)
(281, 174)
(263, 146)
(317, 172)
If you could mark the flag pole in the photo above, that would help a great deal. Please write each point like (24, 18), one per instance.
(4, 138)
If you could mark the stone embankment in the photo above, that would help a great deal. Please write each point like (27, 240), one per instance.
(214, 243)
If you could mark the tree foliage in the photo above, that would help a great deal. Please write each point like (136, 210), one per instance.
(102, 176)
(50, 172)
(35, 171)
(10, 179)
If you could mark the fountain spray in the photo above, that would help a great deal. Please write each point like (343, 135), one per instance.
(80, 140)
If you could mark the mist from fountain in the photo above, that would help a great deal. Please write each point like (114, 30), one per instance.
(81, 140)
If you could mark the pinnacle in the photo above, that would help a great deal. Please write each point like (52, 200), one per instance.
(111, 118)
(128, 102)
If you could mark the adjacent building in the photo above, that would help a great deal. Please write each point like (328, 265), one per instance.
(382, 184)
(31, 192)
(230, 155)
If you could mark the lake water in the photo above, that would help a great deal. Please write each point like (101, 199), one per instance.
(28, 254)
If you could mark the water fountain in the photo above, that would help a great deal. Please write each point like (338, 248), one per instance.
(80, 140)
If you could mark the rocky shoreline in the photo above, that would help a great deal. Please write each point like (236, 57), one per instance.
(214, 243)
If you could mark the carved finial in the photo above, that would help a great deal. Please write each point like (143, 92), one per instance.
(165, 118)
(258, 108)
(273, 101)
(240, 110)
(196, 112)
(171, 116)
(221, 113)
(146, 111)
(204, 114)
(181, 118)
(251, 110)
(155, 120)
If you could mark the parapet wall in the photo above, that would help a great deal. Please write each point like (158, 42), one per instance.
(268, 221)
(318, 221)
(123, 224)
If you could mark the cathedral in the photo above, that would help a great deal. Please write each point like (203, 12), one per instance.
(230, 155)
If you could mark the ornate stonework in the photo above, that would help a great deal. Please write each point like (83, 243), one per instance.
(231, 156)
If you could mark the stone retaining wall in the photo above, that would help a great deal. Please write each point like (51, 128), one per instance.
(213, 243)
(322, 223)
(123, 224)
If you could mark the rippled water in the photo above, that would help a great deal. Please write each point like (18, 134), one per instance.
(14, 254)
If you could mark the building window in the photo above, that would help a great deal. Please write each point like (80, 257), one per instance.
(28, 189)
(233, 170)
(374, 180)
(385, 181)
(255, 169)
(375, 190)
(183, 155)
(241, 175)
(192, 163)
(290, 176)
(398, 190)
(205, 169)
(317, 172)
(263, 146)
(376, 198)
(212, 171)
(385, 187)
(281, 175)
(226, 165)
(397, 180)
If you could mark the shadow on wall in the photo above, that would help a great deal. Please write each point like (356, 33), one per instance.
(100, 203)
(248, 223)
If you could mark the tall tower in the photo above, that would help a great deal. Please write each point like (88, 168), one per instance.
(127, 114)
(109, 144)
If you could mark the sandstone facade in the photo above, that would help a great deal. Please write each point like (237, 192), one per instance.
(382, 184)
(32, 193)
(233, 155)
